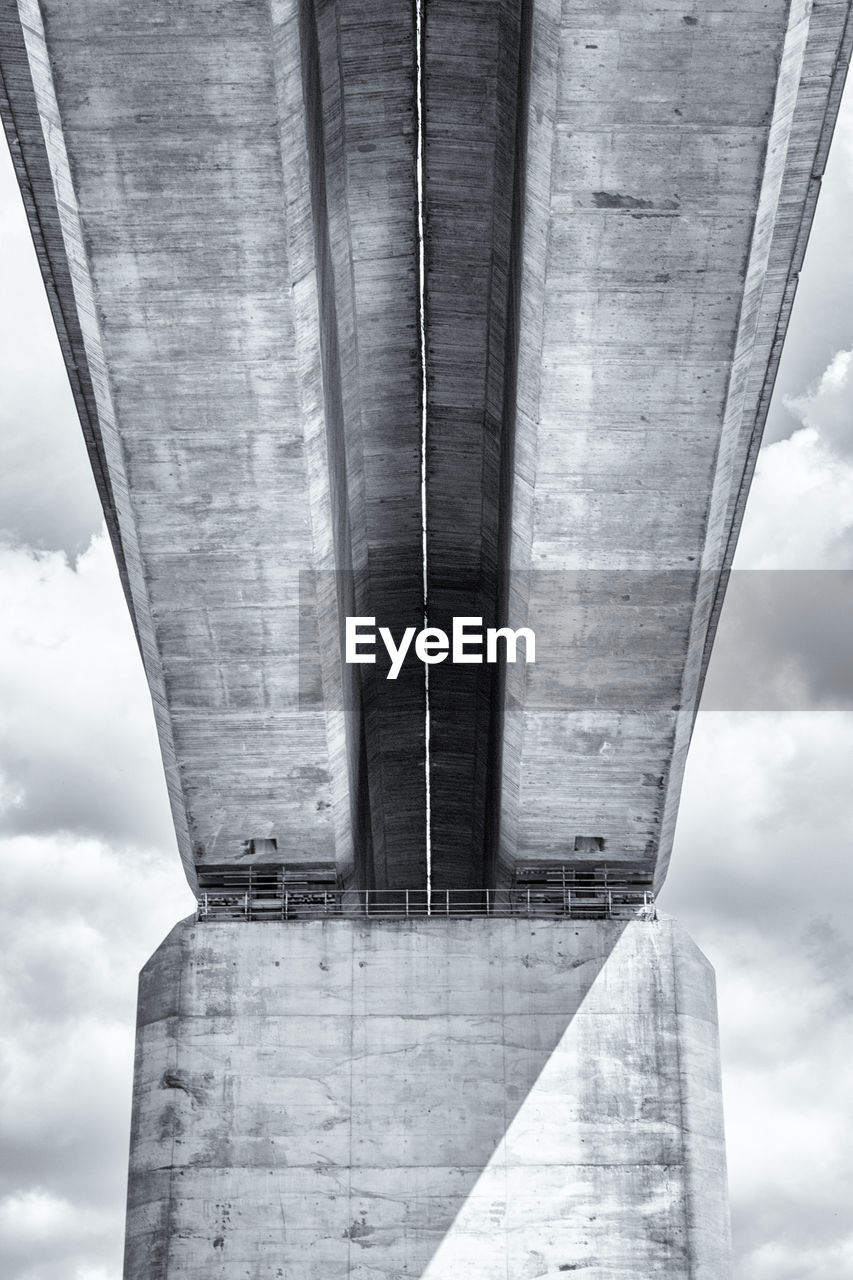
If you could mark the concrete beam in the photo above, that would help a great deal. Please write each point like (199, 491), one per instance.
(617, 207)
(672, 161)
(226, 205)
(476, 58)
(617, 202)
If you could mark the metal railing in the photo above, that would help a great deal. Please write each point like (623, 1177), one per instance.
(595, 902)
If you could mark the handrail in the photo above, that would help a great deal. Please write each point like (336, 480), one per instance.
(593, 902)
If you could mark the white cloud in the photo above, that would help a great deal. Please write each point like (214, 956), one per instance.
(37, 1222)
(27, 1216)
(800, 511)
(47, 494)
(762, 873)
(827, 405)
(822, 320)
(762, 877)
(794, 1261)
(77, 751)
(841, 156)
(79, 918)
(90, 881)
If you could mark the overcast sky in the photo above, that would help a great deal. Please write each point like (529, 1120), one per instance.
(762, 873)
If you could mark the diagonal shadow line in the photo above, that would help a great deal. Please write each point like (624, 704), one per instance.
(461, 1226)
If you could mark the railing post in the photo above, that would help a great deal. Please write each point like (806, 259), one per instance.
(528, 900)
(447, 902)
(367, 902)
(407, 904)
(487, 902)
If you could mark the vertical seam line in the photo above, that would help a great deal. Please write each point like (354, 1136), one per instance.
(420, 6)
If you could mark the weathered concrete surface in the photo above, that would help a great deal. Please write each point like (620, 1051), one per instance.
(427, 1098)
(230, 192)
(672, 161)
(361, 123)
(618, 194)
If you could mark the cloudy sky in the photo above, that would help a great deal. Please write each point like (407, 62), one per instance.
(90, 879)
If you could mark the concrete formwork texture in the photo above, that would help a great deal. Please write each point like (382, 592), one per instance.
(423, 311)
(427, 1098)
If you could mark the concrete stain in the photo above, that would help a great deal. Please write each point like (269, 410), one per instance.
(357, 1231)
(615, 200)
(409, 1023)
(180, 1080)
(170, 1127)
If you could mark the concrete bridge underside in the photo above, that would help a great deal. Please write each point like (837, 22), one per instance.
(616, 199)
(406, 311)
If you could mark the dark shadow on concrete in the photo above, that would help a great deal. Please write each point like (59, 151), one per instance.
(363, 197)
(477, 66)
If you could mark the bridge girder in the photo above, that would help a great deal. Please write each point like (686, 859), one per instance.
(617, 198)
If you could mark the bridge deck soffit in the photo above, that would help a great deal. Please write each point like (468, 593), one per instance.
(616, 201)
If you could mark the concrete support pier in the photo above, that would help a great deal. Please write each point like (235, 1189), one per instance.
(430, 1098)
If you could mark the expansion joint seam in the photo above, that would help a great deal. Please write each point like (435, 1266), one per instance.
(420, 15)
